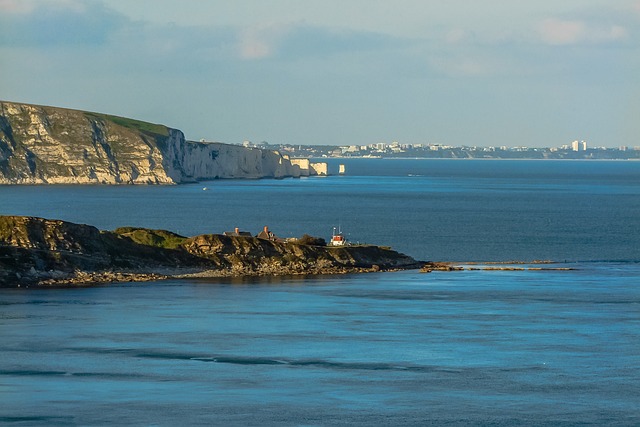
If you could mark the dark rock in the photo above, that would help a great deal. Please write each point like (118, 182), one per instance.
(439, 266)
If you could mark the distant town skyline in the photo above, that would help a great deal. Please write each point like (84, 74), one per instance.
(460, 73)
(576, 150)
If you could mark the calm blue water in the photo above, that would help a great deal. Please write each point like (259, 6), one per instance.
(472, 347)
(431, 209)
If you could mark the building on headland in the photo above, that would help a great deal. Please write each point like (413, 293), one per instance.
(237, 233)
(337, 239)
(267, 234)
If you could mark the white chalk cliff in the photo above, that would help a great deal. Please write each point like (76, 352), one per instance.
(49, 145)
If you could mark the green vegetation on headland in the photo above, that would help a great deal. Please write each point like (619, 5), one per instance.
(157, 238)
(37, 251)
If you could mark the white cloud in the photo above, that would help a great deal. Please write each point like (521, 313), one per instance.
(260, 42)
(562, 32)
(41, 23)
(569, 32)
(616, 32)
(16, 6)
(462, 66)
(456, 35)
(28, 6)
(293, 41)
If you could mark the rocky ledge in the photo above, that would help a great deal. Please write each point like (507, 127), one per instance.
(37, 251)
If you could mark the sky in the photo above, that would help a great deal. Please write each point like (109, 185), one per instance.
(538, 73)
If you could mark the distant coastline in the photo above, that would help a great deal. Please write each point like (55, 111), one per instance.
(578, 150)
(474, 158)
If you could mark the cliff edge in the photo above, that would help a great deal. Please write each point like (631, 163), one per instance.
(37, 251)
(50, 145)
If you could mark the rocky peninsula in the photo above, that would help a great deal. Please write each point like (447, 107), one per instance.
(40, 252)
(50, 145)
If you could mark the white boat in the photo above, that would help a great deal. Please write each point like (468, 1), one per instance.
(341, 169)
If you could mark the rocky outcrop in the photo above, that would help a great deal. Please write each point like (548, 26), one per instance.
(49, 145)
(253, 256)
(309, 168)
(36, 251)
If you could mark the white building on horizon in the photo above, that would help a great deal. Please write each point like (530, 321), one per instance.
(579, 145)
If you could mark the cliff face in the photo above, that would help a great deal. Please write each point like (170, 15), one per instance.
(39, 251)
(195, 160)
(48, 145)
(40, 145)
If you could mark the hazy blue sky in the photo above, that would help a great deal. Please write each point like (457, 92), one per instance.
(491, 72)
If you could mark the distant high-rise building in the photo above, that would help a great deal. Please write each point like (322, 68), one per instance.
(579, 145)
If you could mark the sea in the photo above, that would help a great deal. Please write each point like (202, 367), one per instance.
(558, 346)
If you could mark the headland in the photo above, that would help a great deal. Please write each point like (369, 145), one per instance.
(40, 252)
(51, 145)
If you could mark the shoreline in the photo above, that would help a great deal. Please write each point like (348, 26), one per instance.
(86, 280)
(105, 278)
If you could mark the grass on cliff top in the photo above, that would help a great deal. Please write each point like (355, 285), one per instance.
(156, 238)
(145, 127)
